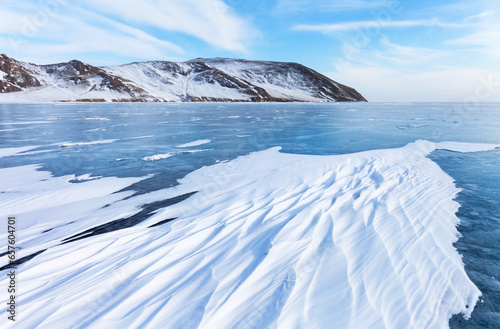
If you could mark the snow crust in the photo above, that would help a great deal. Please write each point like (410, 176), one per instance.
(162, 156)
(105, 141)
(97, 119)
(195, 143)
(157, 157)
(465, 147)
(5, 152)
(270, 240)
(139, 137)
(42, 202)
(24, 123)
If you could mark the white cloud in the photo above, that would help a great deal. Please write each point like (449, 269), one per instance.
(11, 21)
(381, 52)
(329, 6)
(405, 55)
(453, 84)
(62, 36)
(485, 35)
(428, 68)
(349, 26)
(392, 72)
(211, 20)
(57, 29)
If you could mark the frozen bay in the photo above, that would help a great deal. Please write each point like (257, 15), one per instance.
(266, 234)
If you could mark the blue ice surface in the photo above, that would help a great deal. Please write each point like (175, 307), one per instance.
(477, 174)
(303, 128)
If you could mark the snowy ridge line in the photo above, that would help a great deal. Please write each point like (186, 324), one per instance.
(362, 240)
(202, 80)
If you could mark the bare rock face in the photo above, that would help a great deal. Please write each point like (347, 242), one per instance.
(199, 80)
(16, 75)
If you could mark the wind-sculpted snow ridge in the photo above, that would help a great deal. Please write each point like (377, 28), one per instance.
(268, 240)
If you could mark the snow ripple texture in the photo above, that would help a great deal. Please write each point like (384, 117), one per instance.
(270, 240)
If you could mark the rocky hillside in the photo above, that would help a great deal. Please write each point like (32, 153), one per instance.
(200, 79)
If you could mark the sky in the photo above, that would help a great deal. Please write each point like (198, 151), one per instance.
(388, 50)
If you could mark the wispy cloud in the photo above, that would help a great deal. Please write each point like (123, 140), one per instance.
(329, 6)
(382, 53)
(349, 26)
(442, 53)
(124, 28)
(453, 84)
(402, 54)
(485, 36)
(59, 37)
(211, 21)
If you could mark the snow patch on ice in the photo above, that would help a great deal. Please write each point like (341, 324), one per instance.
(157, 157)
(411, 126)
(195, 151)
(85, 178)
(360, 240)
(171, 154)
(52, 203)
(34, 152)
(465, 147)
(5, 152)
(139, 137)
(105, 141)
(98, 119)
(24, 123)
(195, 143)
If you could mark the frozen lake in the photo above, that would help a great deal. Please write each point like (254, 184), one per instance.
(254, 215)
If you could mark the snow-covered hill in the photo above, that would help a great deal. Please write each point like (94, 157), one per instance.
(195, 80)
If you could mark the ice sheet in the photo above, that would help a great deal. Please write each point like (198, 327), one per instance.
(361, 240)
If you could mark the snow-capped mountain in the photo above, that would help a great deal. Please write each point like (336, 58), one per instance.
(200, 79)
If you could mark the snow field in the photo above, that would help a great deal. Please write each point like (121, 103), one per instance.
(360, 240)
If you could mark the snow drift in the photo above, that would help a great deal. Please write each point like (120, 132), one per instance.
(269, 240)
